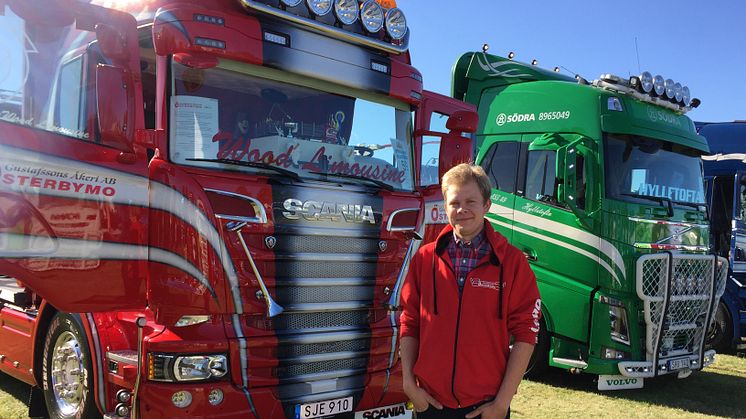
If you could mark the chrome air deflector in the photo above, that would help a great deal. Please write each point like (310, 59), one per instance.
(395, 46)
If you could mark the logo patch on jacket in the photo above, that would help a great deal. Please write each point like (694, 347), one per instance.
(480, 283)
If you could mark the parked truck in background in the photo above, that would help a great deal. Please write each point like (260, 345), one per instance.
(600, 184)
(725, 186)
(207, 208)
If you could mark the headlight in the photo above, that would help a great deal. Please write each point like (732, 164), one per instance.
(320, 7)
(162, 367)
(669, 88)
(646, 82)
(658, 85)
(396, 23)
(686, 97)
(371, 14)
(346, 11)
(677, 92)
(618, 323)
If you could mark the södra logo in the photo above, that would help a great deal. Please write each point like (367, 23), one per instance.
(502, 118)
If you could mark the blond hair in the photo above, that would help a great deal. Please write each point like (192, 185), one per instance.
(464, 173)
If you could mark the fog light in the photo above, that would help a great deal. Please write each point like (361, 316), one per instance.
(181, 399)
(215, 397)
(320, 7)
(371, 15)
(611, 353)
(346, 11)
(122, 410)
(124, 396)
(658, 85)
(396, 23)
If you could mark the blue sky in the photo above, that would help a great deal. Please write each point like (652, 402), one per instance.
(701, 44)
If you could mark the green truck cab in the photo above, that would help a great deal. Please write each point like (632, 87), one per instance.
(600, 185)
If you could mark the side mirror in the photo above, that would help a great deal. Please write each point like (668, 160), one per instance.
(454, 150)
(115, 113)
(462, 121)
(112, 43)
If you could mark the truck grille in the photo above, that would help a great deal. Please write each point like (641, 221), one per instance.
(326, 285)
(679, 300)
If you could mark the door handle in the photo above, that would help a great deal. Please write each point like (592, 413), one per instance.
(530, 254)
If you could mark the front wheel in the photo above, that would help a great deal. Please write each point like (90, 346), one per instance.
(67, 370)
(720, 333)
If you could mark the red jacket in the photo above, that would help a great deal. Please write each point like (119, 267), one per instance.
(464, 341)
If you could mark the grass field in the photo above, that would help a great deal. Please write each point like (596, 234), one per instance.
(718, 391)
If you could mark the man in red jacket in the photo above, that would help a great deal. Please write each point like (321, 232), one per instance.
(465, 295)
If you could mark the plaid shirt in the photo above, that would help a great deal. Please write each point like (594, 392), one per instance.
(465, 255)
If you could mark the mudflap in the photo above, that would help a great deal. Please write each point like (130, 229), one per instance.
(36, 406)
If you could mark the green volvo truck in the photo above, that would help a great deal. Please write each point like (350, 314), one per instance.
(600, 184)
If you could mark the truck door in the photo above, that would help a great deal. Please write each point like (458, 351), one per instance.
(430, 129)
(562, 252)
(739, 223)
(73, 185)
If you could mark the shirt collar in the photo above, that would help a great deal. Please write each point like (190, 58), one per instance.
(475, 242)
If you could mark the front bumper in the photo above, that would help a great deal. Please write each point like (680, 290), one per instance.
(645, 369)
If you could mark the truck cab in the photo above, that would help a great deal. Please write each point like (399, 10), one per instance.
(207, 209)
(725, 177)
(600, 184)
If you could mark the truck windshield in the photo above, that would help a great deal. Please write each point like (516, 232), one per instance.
(642, 170)
(238, 117)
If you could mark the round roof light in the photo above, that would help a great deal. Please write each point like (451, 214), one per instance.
(346, 11)
(396, 23)
(646, 82)
(291, 3)
(658, 85)
(686, 97)
(371, 15)
(320, 7)
(677, 93)
(669, 88)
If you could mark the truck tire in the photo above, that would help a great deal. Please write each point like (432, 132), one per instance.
(67, 370)
(720, 333)
(539, 362)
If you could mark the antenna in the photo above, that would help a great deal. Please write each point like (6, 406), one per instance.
(637, 51)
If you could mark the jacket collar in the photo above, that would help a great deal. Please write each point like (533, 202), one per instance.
(498, 243)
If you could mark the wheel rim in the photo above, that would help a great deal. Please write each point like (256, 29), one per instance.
(68, 374)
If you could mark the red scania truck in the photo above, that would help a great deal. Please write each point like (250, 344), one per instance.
(207, 208)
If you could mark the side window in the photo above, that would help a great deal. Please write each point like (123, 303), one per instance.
(540, 176)
(501, 164)
(741, 211)
(70, 110)
(431, 150)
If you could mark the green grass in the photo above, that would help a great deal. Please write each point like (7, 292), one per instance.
(718, 391)
(13, 397)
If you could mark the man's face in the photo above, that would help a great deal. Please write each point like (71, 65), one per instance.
(465, 208)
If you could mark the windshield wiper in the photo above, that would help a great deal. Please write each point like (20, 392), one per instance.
(280, 170)
(665, 202)
(380, 183)
(689, 204)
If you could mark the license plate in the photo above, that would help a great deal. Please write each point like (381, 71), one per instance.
(678, 363)
(324, 408)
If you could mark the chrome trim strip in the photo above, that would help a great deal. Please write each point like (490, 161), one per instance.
(261, 217)
(321, 329)
(273, 308)
(318, 376)
(326, 29)
(100, 373)
(324, 282)
(327, 257)
(690, 248)
(123, 357)
(329, 356)
(323, 337)
(668, 223)
(394, 214)
(328, 306)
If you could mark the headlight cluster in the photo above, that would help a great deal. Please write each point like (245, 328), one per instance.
(666, 89)
(372, 16)
(618, 322)
(164, 367)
